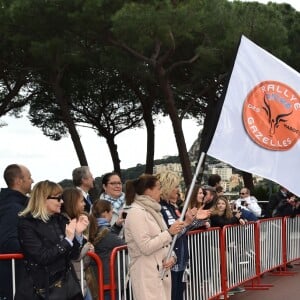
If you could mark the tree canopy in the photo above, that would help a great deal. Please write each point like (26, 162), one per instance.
(116, 65)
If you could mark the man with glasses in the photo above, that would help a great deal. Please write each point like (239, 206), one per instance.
(248, 205)
(13, 199)
(84, 181)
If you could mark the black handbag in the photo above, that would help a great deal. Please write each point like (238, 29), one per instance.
(66, 288)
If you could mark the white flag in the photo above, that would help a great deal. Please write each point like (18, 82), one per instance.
(259, 127)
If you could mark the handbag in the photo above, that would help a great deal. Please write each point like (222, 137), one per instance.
(65, 288)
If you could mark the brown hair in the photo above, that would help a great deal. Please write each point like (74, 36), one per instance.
(71, 197)
(11, 173)
(98, 208)
(194, 195)
(139, 186)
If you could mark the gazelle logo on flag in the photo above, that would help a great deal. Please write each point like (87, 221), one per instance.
(258, 130)
(269, 115)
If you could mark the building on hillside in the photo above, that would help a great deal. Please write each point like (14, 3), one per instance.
(224, 172)
(175, 167)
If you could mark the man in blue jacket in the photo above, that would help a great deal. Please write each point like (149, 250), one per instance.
(13, 199)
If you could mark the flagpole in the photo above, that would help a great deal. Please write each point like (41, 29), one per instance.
(185, 207)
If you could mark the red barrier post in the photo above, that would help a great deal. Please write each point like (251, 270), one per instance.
(113, 286)
(100, 273)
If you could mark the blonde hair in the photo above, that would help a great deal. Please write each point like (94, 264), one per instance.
(168, 180)
(37, 202)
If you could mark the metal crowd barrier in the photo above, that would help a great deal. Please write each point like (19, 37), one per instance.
(120, 285)
(100, 277)
(238, 260)
(271, 244)
(292, 234)
(220, 259)
(13, 258)
(94, 256)
(203, 275)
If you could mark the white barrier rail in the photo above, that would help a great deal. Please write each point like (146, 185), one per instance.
(204, 265)
(271, 244)
(292, 234)
(240, 254)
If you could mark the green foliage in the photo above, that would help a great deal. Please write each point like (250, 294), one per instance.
(70, 43)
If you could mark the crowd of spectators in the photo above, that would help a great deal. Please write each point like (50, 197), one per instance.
(54, 228)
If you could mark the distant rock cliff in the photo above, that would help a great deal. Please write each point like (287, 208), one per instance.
(194, 150)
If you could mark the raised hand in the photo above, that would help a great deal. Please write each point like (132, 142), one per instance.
(190, 215)
(82, 224)
(70, 229)
(203, 214)
(176, 227)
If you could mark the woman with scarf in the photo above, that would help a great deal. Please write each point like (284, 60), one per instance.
(112, 192)
(104, 237)
(148, 240)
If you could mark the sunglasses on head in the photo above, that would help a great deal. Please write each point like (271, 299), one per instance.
(58, 198)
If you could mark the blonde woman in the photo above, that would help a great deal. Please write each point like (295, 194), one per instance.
(169, 189)
(49, 242)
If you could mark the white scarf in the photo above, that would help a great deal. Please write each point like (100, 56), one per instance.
(153, 207)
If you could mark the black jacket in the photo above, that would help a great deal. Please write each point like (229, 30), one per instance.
(11, 203)
(221, 221)
(105, 245)
(274, 201)
(284, 209)
(47, 253)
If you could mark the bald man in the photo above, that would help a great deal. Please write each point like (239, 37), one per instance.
(13, 199)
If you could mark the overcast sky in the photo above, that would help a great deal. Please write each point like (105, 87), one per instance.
(21, 143)
(24, 144)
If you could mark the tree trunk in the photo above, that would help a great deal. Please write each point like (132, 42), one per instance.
(150, 141)
(177, 125)
(114, 154)
(147, 103)
(63, 103)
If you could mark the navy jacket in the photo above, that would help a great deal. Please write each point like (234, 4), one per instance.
(11, 203)
(181, 245)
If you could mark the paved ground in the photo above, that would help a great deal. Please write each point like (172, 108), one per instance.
(284, 287)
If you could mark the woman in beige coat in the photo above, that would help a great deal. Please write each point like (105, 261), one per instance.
(148, 240)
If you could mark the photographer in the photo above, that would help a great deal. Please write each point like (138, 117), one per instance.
(248, 205)
(288, 207)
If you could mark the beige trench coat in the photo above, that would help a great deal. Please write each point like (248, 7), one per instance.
(147, 247)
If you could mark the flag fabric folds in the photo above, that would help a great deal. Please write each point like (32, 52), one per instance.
(259, 126)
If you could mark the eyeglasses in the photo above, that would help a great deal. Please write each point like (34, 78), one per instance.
(58, 198)
(115, 183)
(243, 193)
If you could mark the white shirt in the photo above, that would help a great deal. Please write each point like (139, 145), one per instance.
(252, 205)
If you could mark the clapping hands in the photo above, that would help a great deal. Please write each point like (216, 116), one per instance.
(81, 224)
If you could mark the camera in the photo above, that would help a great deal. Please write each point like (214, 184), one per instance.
(124, 215)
